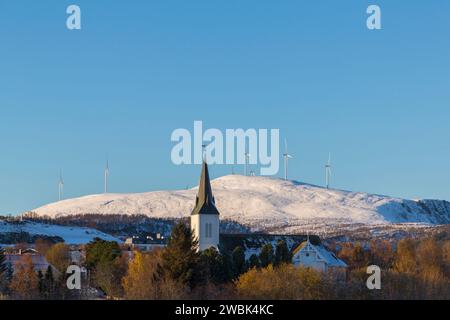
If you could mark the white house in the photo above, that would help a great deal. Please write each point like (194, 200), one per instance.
(317, 257)
(17, 259)
(147, 243)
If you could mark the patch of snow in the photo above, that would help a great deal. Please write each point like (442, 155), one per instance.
(71, 235)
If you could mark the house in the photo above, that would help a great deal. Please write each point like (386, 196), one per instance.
(16, 259)
(146, 243)
(76, 256)
(252, 243)
(316, 256)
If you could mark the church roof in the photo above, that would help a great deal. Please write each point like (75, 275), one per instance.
(204, 202)
(253, 242)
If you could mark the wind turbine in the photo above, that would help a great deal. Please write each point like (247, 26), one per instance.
(328, 171)
(286, 157)
(247, 160)
(204, 152)
(106, 175)
(60, 186)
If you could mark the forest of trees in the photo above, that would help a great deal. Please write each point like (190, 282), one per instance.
(411, 269)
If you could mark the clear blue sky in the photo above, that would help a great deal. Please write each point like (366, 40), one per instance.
(378, 100)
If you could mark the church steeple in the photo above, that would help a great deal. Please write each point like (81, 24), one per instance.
(205, 222)
(204, 202)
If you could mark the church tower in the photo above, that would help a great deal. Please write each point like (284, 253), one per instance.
(205, 216)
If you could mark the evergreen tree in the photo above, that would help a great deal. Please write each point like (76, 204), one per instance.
(101, 251)
(9, 271)
(227, 265)
(266, 256)
(253, 262)
(4, 276)
(180, 259)
(216, 266)
(49, 283)
(3, 266)
(238, 258)
(41, 284)
(282, 254)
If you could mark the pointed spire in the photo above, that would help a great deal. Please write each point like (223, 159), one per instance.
(204, 203)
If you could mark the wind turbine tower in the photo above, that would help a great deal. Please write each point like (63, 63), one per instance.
(328, 171)
(106, 175)
(247, 160)
(60, 186)
(286, 157)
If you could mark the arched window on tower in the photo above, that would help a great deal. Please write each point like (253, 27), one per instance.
(208, 230)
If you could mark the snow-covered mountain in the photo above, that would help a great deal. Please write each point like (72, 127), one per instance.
(70, 235)
(264, 203)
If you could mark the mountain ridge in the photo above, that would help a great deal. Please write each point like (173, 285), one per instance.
(263, 201)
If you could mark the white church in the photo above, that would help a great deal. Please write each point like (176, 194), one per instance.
(205, 216)
(205, 228)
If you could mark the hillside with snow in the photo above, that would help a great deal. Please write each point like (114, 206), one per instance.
(264, 204)
(70, 235)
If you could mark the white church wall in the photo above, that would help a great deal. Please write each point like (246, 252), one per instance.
(207, 237)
